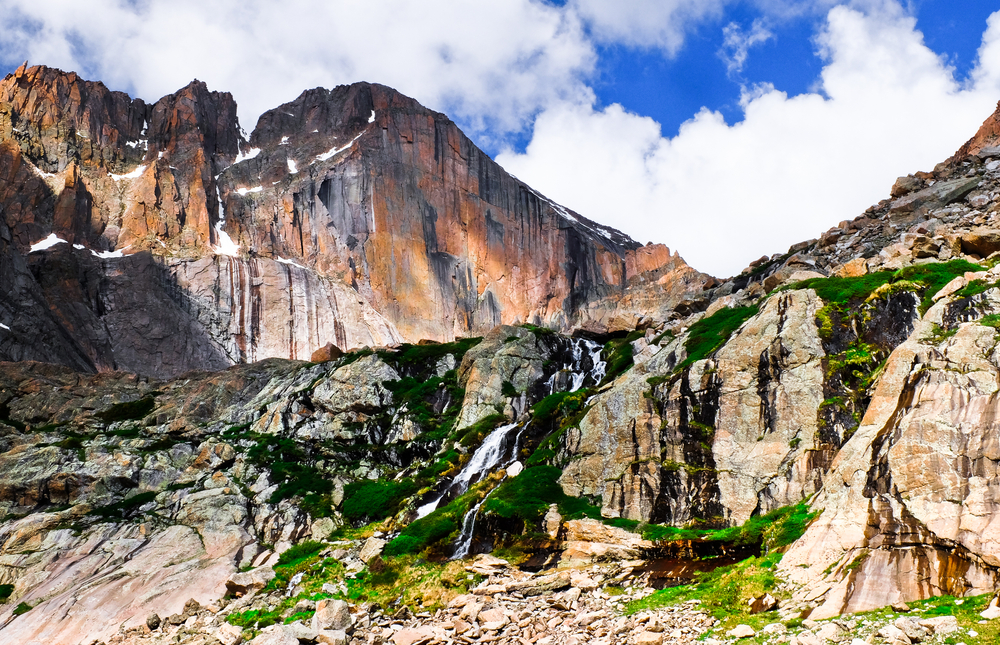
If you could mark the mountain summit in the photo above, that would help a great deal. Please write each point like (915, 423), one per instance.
(354, 216)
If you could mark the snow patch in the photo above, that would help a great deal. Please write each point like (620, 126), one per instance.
(336, 151)
(287, 261)
(131, 175)
(3, 326)
(249, 154)
(284, 141)
(47, 243)
(371, 119)
(79, 247)
(291, 167)
(82, 135)
(141, 142)
(244, 191)
(108, 255)
(160, 155)
(40, 172)
(226, 244)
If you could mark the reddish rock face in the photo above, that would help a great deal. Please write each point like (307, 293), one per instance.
(358, 193)
(988, 136)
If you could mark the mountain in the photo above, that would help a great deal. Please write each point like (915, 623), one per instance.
(810, 440)
(353, 216)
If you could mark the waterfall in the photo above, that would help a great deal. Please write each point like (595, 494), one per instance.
(485, 459)
(464, 542)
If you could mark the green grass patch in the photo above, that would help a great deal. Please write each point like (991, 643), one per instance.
(619, 353)
(528, 496)
(373, 500)
(299, 553)
(725, 592)
(440, 526)
(774, 530)
(21, 609)
(710, 333)
(991, 320)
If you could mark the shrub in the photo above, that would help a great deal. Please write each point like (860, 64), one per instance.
(5, 592)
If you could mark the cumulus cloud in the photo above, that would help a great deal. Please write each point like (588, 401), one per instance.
(490, 63)
(724, 194)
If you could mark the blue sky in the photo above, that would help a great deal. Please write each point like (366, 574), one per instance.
(726, 129)
(672, 89)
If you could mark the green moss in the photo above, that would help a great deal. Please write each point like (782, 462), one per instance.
(5, 592)
(975, 288)
(128, 411)
(508, 389)
(776, 529)
(991, 320)
(527, 498)
(21, 609)
(725, 592)
(372, 500)
(511, 339)
(938, 334)
(440, 526)
(710, 333)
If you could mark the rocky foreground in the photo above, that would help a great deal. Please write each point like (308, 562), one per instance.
(600, 604)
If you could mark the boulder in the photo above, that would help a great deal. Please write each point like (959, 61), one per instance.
(332, 637)
(648, 638)
(228, 634)
(276, 635)
(240, 584)
(767, 602)
(742, 631)
(331, 614)
(541, 584)
(326, 353)
(981, 241)
(413, 635)
(372, 547)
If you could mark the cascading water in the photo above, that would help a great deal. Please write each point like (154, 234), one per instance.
(485, 459)
(585, 361)
(497, 450)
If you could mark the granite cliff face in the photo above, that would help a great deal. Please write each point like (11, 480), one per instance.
(353, 216)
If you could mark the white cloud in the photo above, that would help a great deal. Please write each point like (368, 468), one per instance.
(726, 194)
(491, 64)
(646, 23)
(736, 44)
